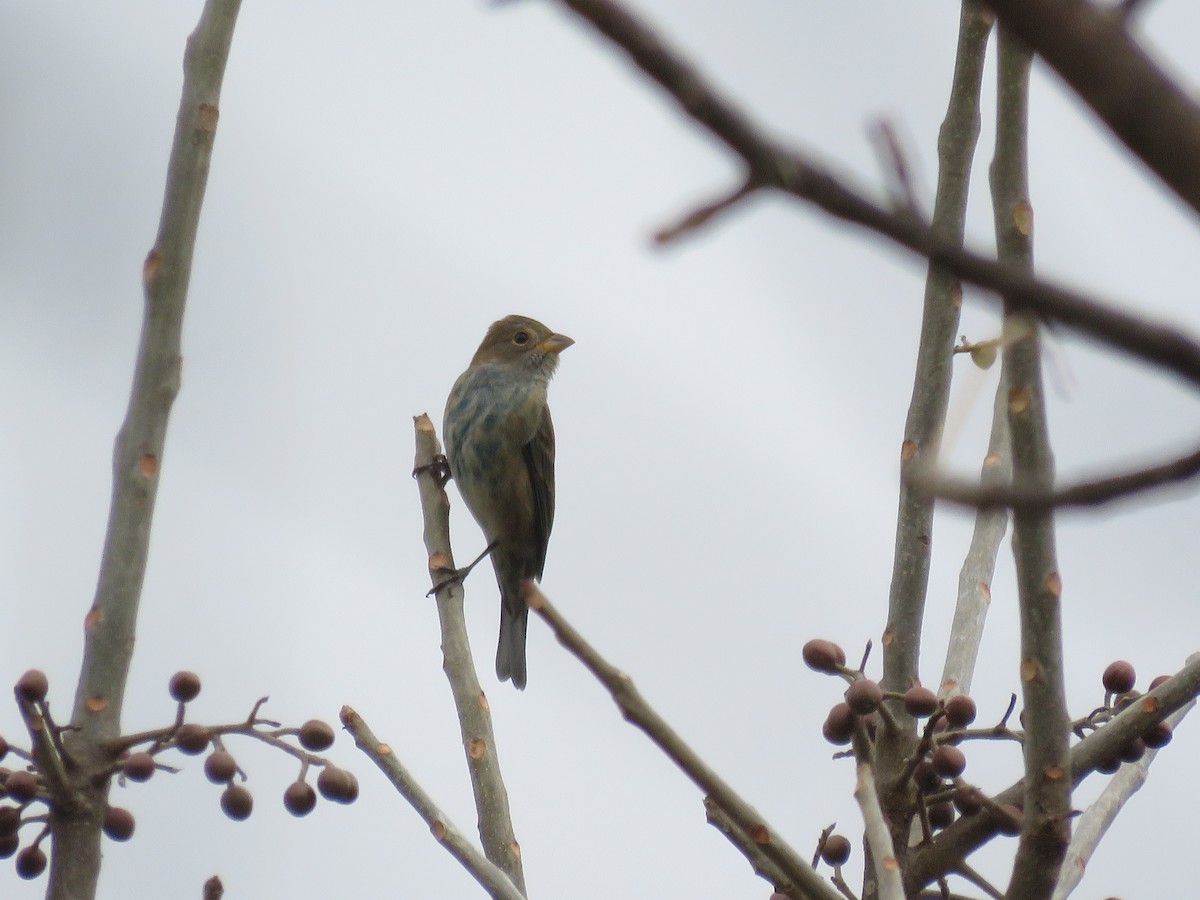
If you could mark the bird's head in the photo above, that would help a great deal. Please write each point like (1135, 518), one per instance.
(524, 342)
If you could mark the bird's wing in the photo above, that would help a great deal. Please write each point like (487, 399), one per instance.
(539, 462)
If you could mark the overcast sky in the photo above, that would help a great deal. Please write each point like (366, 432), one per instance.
(388, 179)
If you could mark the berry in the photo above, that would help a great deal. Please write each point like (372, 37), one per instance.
(3, 748)
(237, 802)
(823, 656)
(118, 823)
(941, 815)
(184, 686)
(316, 736)
(960, 711)
(9, 844)
(949, 762)
(32, 687)
(192, 739)
(10, 820)
(864, 696)
(925, 778)
(299, 798)
(920, 701)
(138, 766)
(337, 785)
(22, 786)
(836, 850)
(839, 724)
(1158, 735)
(31, 862)
(1133, 751)
(967, 800)
(220, 767)
(1158, 679)
(1119, 677)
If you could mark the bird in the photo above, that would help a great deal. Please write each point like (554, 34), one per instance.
(500, 448)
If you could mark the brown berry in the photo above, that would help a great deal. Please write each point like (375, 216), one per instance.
(184, 686)
(1119, 677)
(925, 778)
(966, 798)
(1158, 735)
(1133, 751)
(1158, 679)
(836, 850)
(941, 814)
(839, 724)
(316, 736)
(192, 739)
(118, 823)
(220, 767)
(960, 711)
(21, 786)
(948, 761)
(3, 748)
(864, 696)
(32, 687)
(299, 798)
(920, 701)
(10, 820)
(237, 802)
(138, 766)
(9, 844)
(31, 862)
(1109, 766)
(823, 656)
(337, 785)
(1009, 821)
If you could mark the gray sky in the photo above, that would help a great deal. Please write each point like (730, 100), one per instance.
(389, 180)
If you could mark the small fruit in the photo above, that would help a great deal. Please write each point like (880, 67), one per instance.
(3, 748)
(960, 711)
(316, 736)
(337, 785)
(10, 820)
(9, 844)
(237, 802)
(118, 823)
(192, 739)
(1133, 751)
(138, 766)
(839, 724)
(864, 696)
(32, 687)
(220, 767)
(1119, 677)
(948, 761)
(1159, 679)
(836, 850)
(920, 701)
(31, 862)
(823, 656)
(184, 686)
(966, 798)
(299, 798)
(941, 814)
(1158, 735)
(21, 786)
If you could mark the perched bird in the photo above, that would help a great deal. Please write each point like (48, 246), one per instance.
(500, 445)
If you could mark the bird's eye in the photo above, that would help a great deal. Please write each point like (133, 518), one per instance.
(521, 338)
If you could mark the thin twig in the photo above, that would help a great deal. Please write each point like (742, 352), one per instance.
(702, 215)
(474, 715)
(493, 879)
(635, 709)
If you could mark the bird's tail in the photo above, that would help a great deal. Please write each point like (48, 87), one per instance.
(510, 652)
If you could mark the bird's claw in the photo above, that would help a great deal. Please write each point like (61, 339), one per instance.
(458, 575)
(440, 468)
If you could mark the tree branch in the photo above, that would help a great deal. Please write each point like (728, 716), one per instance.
(878, 836)
(805, 882)
(111, 622)
(474, 715)
(1089, 46)
(493, 879)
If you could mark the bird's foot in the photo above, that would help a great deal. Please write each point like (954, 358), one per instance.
(459, 575)
(440, 469)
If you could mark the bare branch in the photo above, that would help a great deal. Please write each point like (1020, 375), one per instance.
(111, 622)
(493, 879)
(1085, 493)
(1090, 47)
(474, 715)
(789, 171)
(804, 881)
(879, 838)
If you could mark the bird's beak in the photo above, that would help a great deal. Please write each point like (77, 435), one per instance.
(556, 343)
